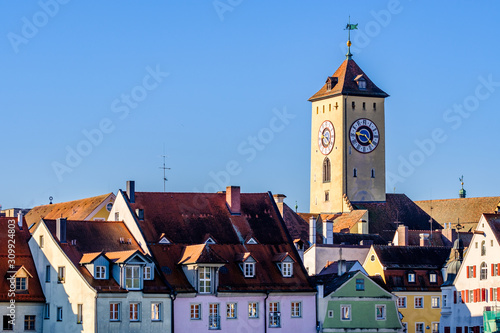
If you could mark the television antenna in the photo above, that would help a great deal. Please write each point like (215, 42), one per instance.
(164, 171)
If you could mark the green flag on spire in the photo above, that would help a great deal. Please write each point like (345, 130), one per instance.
(351, 27)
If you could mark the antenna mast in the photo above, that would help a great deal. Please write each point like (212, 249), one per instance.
(164, 170)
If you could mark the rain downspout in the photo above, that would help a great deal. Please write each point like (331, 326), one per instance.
(265, 311)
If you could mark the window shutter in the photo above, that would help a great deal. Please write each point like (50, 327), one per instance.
(492, 269)
(466, 296)
(491, 294)
(468, 272)
(483, 298)
(474, 273)
(455, 296)
(498, 269)
(463, 297)
(498, 293)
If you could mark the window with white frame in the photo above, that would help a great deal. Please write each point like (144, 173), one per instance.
(132, 277)
(249, 269)
(411, 277)
(435, 302)
(204, 280)
(195, 312)
(148, 273)
(419, 302)
(253, 310)
(494, 294)
(155, 311)
(484, 271)
(402, 302)
(61, 274)
(445, 300)
(134, 311)
(21, 283)
(330, 313)
(419, 327)
(380, 312)
(296, 309)
(433, 278)
(231, 311)
(274, 314)
(114, 311)
(345, 312)
(100, 272)
(41, 241)
(435, 327)
(483, 248)
(471, 296)
(287, 269)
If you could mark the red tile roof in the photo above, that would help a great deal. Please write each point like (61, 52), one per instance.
(413, 257)
(467, 211)
(22, 258)
(91, 237)
(72, 210)
(346, 84)
(186, 219)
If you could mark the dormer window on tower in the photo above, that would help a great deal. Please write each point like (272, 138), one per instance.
(331, 82)
(361, 82)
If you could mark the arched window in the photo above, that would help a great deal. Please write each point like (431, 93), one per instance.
(355, 172)
(484, 271)
(373, 173)
(326, 170)
(483, 248)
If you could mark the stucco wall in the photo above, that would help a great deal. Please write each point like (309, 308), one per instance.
(22, 309)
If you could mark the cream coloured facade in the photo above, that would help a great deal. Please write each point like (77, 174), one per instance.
(348, 158)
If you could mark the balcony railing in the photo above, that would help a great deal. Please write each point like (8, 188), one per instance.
(213, 322)
(274, 319)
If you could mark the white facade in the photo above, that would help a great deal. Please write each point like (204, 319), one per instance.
(317, 256)
(475, 289)
(23, 309)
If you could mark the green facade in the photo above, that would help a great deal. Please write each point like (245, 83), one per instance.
(363, 305)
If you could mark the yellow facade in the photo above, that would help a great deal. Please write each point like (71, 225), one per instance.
(369, 182)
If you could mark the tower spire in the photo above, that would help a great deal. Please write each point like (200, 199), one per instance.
(349, 27)
(462, 192)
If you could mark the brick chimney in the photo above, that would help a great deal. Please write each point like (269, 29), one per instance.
(233, 199)
(402, 235)
(312, 230)
(449, 235)
(131, 191)
(279, 199)
(424, 239)
(61, 229)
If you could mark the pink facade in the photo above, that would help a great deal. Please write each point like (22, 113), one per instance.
(305, 323)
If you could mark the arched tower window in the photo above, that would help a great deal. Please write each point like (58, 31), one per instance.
(355, 172)
(326, 170)
(373, 173)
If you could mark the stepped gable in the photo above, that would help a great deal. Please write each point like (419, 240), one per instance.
(384, 217)
(23, 259)
(467, 211)
(344, 83)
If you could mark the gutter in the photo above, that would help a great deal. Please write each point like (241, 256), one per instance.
(173, 296)
(265, 311)
(96, 326)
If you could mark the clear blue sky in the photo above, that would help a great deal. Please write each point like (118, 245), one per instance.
(222, 71)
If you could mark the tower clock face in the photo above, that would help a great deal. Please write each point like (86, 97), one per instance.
(326, 137)
(364, 135)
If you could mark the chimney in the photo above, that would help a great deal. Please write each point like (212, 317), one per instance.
(61, 229)
(449, 235)
(279, 199)
(341, 267)
(233, 199)
(362, 227)
(131, 191)
(424, 240)
(20, 220)
(402, 235)
(312, 230)
(328, 232)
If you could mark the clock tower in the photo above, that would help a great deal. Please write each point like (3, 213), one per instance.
(347, 141)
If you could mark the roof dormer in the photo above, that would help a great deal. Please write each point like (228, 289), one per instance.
(97, 264)
(22, 276)
(331, 81)
(247, 264)
(284, 262)
(360, 81)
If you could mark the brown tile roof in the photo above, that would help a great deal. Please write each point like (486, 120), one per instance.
(397, 280)
(345, 221)
(186, 219)
(23, 258)
(346, 84)
(72, 210)
(297, 224)
(357, 239)
(384, 217)
(467, 210)
(414, 237)
(93, 237)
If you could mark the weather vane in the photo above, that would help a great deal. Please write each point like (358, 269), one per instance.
(350, 27)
